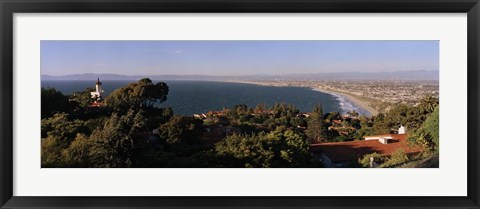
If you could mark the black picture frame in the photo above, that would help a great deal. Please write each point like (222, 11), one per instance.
(9, 7)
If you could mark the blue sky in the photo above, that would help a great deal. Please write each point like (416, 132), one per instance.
(235, 57)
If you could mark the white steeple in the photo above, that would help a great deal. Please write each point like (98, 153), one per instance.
(98, 90)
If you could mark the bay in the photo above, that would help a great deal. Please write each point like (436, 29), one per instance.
(189, 97)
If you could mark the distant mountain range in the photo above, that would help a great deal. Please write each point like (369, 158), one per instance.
(397, 75)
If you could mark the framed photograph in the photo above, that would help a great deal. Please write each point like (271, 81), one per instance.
(239, 104)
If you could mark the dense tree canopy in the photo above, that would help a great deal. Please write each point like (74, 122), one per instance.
(408, 116)
(428, 134)
(116, 140)
(280, 148)
(180, 130)
(57, 133)
(52, 102)
(137, 95)
(316, 130)
(83, 99)
(428, 103)
(134, 132)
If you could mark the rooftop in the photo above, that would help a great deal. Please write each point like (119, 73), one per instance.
(352, 150)
(96, 104)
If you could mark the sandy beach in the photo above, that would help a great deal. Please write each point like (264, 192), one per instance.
(362, 104)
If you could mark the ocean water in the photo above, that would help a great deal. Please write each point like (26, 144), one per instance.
(189, 97)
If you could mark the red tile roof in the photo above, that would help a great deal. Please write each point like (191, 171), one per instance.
(352, 150)
(337, 121)
(96, 104)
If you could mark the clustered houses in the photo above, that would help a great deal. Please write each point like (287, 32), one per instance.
(333, 154)
(341, 125)
(341, 154)
(408, 92)
(216, 126)
(209, 114)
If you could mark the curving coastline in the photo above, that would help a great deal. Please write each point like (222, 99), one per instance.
(354, 100)
(361, 104)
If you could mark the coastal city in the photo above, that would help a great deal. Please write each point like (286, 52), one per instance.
(334, 139)
(371, 95)
(240, 104)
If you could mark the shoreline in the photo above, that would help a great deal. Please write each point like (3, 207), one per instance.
(361, 104)
(356, 101)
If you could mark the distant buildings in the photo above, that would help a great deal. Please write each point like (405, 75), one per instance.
(407, 92)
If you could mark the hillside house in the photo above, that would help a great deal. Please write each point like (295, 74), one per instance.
(341, 154)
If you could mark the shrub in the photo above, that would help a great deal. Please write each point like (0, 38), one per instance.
(365, 160)
(397, 158)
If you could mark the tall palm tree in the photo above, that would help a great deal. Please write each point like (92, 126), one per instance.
(428, 103)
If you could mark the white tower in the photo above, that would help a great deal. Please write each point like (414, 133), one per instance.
(98, 90)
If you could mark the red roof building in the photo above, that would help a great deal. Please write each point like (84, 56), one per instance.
(96, 104)
(339, 154)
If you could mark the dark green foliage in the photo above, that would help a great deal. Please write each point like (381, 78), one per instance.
(181, 130)
(408, 116)
(380, 126)
(117, 139)
(152, 155)
(275, 149)
(280, 114)
(428, 134)
(60, 126)
(342, 138)
(431, 128)
(298, 122)
(283, 110)
(51, 154)
(53, 101)
(428, 103)
(83, 100)
(241, 109)
(366, 160)
(246, 128)
(80, 153)
(257, 120)
(137, 95)
(133, 132)
(398, 158)
(366, 128)
(333, 116)
(356, 123)
(58, 132)
(316, 129)
(353, 113)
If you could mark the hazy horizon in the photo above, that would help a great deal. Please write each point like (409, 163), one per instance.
(235, 58)
(245, 75)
